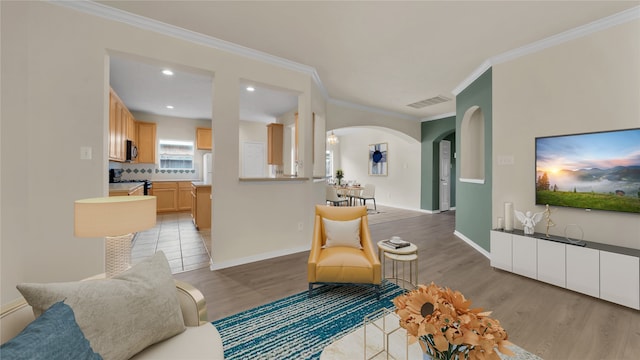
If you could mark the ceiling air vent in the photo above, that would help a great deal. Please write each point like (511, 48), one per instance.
(428, 102)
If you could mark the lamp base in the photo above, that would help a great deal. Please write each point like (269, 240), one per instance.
(117, 254)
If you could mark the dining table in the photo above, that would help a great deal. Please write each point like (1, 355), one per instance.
(351, 191)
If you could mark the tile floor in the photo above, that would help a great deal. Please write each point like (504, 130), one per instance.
(185, 247)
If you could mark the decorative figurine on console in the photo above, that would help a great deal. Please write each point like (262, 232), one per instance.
(528, 220)
(547, 216)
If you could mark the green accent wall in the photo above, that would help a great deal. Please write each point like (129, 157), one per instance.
(473, 203)
(432, 132)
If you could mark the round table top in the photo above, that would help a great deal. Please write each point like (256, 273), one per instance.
(399, 257)
(411, 249)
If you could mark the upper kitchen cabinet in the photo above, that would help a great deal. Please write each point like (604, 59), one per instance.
(117, 128)
(275, 133)
(122, 127)
(203, 139)
(146, 140)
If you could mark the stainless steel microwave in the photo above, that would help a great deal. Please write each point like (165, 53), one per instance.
(132, 151)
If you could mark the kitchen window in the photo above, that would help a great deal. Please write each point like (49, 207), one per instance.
(176, 154)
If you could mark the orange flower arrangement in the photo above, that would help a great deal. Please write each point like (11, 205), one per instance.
(447, 328)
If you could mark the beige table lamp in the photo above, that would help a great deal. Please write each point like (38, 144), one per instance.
(116, 218)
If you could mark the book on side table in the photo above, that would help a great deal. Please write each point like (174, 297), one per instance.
(395, 245)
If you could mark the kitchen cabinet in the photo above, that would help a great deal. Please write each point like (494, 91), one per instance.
(203, 139)
(172, 195)
(146, 142)
(116, 128)
(166, 193)
(131, 128)
(201, 205)
(126, 189)
(121, 128)
(275, 137)
(184, 195)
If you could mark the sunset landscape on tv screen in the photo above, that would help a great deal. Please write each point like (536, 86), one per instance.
(599, 171)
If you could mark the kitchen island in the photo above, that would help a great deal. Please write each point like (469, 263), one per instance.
(126, 189)
(201, 204)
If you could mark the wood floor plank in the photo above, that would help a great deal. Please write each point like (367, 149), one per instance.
(552, 322)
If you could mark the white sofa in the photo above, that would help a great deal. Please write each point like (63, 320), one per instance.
(200, 340)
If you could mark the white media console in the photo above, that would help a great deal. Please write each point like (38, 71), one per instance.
(607, 272)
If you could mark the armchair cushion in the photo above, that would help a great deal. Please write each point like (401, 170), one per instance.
(119, 316)
(53, 335)
(342, 233)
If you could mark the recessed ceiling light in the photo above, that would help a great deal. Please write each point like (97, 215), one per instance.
(251, 88)
(169, 106)
(167, 72)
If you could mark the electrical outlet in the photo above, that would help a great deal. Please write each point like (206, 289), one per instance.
(300, 226)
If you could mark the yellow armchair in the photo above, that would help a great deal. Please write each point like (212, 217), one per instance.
(341, 261)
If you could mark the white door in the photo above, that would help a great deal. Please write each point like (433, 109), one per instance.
(253, 159)
(445, 175)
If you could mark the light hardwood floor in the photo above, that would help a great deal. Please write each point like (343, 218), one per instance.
(552, 322)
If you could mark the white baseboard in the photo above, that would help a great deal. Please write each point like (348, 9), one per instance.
(472, 244)
(410, 209)
(258, 257)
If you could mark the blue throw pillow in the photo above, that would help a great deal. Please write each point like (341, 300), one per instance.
(53, 335)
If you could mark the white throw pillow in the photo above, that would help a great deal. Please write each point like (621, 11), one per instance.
(119, 316)
(342, 233)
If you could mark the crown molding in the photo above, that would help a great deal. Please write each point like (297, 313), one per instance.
(371, 109)
(109, 13)
(580, 31)
(438, 117)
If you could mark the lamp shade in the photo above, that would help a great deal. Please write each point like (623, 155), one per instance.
(114, 215)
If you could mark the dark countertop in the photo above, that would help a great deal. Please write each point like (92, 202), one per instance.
(581, 243)
(124, 186)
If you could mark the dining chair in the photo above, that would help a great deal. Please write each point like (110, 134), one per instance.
(368, 193)
(333, 198)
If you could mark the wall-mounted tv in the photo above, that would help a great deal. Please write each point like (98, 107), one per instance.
(599, 171)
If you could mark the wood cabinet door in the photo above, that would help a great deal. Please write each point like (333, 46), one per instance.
(184, 195)
(113, 112)
(203, 139)
(203, 204)
(275, 137)
(166, 193)
(118, 115)
(146, 133)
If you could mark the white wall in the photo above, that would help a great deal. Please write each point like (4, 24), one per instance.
(401, 188)
(585, 85)
(59, 103)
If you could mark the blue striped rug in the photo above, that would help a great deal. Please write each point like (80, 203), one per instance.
(298, 327)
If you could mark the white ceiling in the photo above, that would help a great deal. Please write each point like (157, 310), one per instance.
(142, 87)
(382, 54)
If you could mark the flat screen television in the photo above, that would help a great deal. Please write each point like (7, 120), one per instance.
(599, 171)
